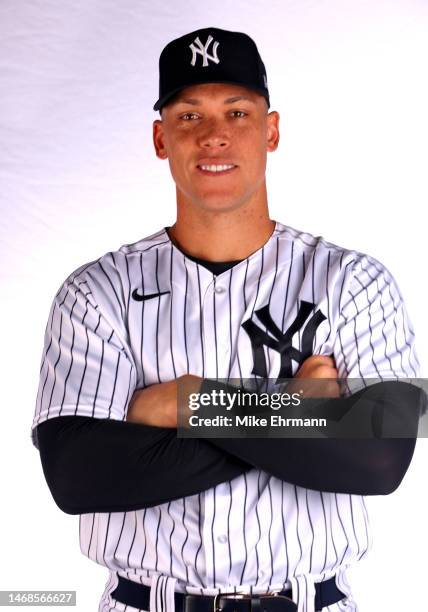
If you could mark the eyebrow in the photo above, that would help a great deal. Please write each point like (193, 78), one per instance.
(232, 100)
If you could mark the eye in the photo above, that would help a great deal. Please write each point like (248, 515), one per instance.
(239, 114)
(189, 116)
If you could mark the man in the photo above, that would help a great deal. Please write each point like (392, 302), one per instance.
(224, 293)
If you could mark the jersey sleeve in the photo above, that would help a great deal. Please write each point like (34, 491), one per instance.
(375, 338)
(86, 367)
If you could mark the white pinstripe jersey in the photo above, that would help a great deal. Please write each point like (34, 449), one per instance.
(256, 531)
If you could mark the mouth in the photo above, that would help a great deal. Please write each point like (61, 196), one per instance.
(216, 169)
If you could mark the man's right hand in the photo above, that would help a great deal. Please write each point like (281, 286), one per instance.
(156, 405)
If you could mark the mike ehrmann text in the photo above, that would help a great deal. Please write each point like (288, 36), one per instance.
(252, 421)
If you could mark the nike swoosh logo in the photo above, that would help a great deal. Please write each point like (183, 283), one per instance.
(147, 296)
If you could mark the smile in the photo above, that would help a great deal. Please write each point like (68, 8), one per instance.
(216, 168)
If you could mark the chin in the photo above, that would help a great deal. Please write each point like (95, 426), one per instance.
(219, 205)
(220, 202)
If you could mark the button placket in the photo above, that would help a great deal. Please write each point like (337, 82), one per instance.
(223, 341)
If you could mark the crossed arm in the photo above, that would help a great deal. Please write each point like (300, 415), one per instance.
(359, 466)
(103, 465)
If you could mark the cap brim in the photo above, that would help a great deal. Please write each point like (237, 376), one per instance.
(162, 101)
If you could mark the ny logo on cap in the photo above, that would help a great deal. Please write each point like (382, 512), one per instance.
(203, 50)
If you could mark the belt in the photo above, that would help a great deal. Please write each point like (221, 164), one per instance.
(138, 596)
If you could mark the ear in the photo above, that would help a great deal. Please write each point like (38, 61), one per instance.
(159, 139)
(272, 132)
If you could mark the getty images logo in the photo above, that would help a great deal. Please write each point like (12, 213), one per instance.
(198, 48)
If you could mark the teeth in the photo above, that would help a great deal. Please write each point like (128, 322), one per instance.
(219, 168)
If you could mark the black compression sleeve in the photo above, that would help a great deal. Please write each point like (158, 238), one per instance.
(357, 466)
(104, 465)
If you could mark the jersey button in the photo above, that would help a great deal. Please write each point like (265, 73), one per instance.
(220, 289)
(222, 539)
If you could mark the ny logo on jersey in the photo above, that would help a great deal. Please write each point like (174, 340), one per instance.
(203, 50)
(280, 341)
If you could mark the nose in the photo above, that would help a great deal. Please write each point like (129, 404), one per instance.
(215, 134)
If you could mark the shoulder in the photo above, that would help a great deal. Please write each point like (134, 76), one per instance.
(109, 272)
(351, 275)
(152, 242)
(354, 262)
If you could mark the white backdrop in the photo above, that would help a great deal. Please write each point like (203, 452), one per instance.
(78, 79)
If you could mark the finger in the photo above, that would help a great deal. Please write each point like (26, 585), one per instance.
(317, 360)
(324, 360)
(321, 388)
(322, 371)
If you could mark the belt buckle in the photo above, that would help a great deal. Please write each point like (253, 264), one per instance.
(230, 595)
(268, 595)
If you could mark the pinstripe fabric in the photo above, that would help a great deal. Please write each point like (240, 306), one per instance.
(254, 532)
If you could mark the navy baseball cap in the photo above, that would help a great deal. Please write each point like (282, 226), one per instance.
(210, 55)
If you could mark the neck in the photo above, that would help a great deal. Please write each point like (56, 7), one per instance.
(221, 236)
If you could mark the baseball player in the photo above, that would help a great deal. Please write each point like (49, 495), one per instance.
(225, 292)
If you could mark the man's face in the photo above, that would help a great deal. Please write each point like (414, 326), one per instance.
(216, 137)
